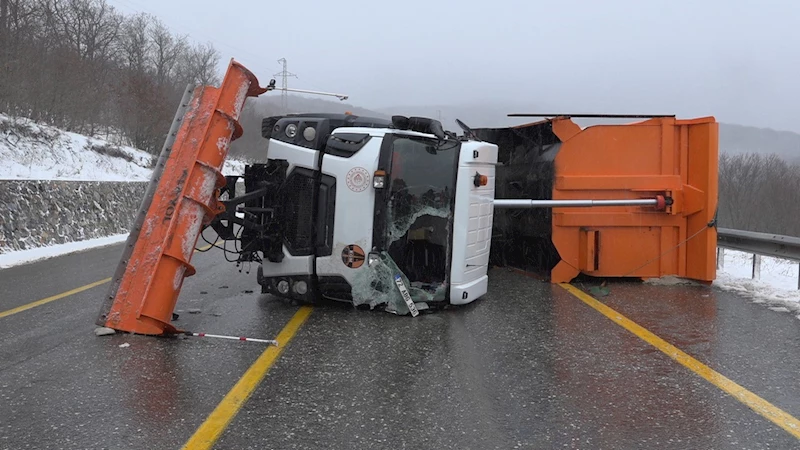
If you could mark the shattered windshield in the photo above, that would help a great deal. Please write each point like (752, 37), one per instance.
(419, 214)
(421, 185)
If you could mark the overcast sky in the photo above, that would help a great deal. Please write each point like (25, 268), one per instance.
(736, 60)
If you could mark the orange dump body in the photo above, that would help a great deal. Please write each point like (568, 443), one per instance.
(660, 156)
(181, 201)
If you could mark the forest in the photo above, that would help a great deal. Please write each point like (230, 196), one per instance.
(759, 192)
(82, 66)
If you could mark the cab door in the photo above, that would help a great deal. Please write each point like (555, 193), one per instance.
(347, 204)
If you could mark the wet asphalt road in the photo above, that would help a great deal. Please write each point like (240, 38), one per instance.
(527, 366)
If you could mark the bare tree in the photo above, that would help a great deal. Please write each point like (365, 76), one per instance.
(81, 66)
(166, 52)
(202, 64)
(89, 26)
(3, 21)
(134, 44)
(759, 193)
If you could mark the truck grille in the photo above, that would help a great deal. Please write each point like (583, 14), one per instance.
(298, 207)
(335, 288)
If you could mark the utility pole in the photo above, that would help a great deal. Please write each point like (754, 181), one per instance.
(284, 74)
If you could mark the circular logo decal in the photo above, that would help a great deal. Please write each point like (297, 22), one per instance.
(357, 179)
(353, 256)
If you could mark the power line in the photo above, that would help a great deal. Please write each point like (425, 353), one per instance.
(284, 74)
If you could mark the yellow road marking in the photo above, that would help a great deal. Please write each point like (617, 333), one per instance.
(756, 403)
(53, 298)
(209, 432)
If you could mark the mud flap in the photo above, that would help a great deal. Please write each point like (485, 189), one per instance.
(181, 200)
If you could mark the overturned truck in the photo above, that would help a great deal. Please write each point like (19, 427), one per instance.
(362, 210)
(404, 215)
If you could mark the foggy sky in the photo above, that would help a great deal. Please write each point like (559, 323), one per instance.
(735, 60)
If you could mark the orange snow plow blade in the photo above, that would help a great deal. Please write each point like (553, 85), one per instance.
(181, 200)
(659, 156)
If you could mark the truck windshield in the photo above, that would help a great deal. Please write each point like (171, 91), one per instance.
(421, 187)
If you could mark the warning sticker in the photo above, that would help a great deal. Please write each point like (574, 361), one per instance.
(357, 179)
(353, 256)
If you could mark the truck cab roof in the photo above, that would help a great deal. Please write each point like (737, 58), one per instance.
(294, 128)
(376, 132)
(335, 120)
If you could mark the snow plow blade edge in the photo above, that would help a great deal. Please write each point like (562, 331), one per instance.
(181, 200)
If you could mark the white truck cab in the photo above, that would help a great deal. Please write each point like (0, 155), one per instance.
(370, 211)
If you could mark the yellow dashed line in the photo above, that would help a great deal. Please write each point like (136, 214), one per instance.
(756, 403)
(53, 298)
(209, 432)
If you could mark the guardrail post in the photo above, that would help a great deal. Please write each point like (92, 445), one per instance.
(720, 258)
(766, 244)
(756, 267)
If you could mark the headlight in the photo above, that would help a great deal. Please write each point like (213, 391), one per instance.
(309, 134)
(283, 287)
(300, 287)
(291, 130)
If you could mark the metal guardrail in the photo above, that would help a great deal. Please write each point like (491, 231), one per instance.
(765, 244)
(759, 244)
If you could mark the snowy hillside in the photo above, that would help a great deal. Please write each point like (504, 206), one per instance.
(31, 151)
(776, 287)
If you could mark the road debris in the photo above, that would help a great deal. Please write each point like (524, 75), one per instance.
(234, 338)
(104, 331)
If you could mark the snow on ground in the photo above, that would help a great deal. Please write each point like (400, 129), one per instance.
(233, 167)
(777, 286)
(32, 151)
(36, 254)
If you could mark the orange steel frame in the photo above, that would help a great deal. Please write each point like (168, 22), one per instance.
(185, 200)
(660, 156)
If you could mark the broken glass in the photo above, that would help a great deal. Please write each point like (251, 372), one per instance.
(399, 226)
(376, 286)
(418, 224)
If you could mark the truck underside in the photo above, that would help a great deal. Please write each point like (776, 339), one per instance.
(522, 238)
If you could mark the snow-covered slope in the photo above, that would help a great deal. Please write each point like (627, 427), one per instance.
(31, 151)
(777, 284)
